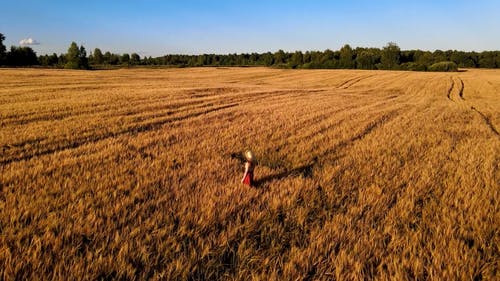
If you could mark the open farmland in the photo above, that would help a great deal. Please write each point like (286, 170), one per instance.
(135, 174)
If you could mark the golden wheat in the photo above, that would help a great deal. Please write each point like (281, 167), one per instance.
(134, 174)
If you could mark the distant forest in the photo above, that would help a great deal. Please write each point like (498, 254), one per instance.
(390, 57)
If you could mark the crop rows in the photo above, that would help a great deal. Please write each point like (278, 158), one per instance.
(134, 174)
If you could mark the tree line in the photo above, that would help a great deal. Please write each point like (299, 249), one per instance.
(390, 57)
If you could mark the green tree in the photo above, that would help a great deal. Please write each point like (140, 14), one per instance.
(444, 66)
(390, 56)
(346, 57)
(407, 56)
(43, 60)
(98, 56)
(53, 60)
(106, 58)
(114, 59)
(72, 57)
(82, 58)
(366, 60)
(61, 60)
(21, 56)
(487, 60)
(307, 57)
(135, 59)
(439, 56)
(279, 57)
(316, 57)
(296, 60)
(423, 58)
(254, 57)
(76, 58)
(125, 59)
(267, 59)
(327, 58)
(47, 60)
(2, 49)
(202, 60)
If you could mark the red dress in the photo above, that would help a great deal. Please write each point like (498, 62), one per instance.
(248, 180)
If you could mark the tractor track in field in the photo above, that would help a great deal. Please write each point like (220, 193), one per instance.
(351, 82)
(368, 129)
(461, 91)
(325, 124)
(333, 153)
(460, 97)
(132, 130)
(487, 121)
(450, 90)
(152, 121)
(455, 92)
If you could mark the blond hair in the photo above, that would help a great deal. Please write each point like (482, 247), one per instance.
(249, 155)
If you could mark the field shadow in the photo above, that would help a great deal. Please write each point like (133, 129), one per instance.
(305, 171)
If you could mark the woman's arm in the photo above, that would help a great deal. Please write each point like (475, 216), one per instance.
(247, 166)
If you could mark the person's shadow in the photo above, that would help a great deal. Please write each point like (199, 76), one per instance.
(305, 171)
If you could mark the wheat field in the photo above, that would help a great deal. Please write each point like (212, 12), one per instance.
(134, 174)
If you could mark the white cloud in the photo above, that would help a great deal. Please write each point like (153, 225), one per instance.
(28, 41)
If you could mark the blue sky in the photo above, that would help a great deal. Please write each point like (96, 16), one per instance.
(155, 28)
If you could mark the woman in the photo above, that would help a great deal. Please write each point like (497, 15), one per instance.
(249, 166)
